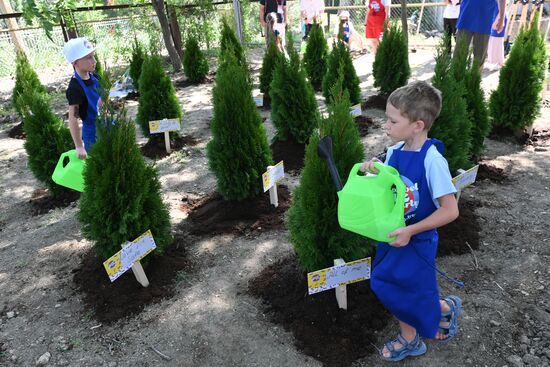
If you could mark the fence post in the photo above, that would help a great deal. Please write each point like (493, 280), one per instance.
(13, 27)
(238, 20)
(420, 17)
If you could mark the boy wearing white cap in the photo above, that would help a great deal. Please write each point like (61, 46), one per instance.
(83, 94)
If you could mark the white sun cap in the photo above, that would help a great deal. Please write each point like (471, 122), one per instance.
(77, 48)
(344, 13)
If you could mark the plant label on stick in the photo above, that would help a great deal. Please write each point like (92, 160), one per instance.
(339, 275)
(465, 179)
(259, 100)
(355, 110)
(270, 178)
(165, 126)
(129, 257)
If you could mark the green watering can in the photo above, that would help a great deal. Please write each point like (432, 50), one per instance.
(68, 171)
(367, 205)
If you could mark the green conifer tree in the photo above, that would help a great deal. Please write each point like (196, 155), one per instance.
(158, 98)
(138, 56)
(122, 196)
(478, 109)
(315, 57)
(25, 76)
(453, 126)
(230, 43)
(271, 58)
(340, 56)
(195, 65)
(47, 137)
(315, 233)
(238, 153)
(293, 106)
(391, 68)
(515, 104)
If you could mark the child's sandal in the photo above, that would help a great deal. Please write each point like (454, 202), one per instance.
(415, 347)
(451, 318)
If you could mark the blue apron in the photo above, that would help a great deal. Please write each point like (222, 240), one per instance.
(93, 97)
(346, 32)
(404, 278)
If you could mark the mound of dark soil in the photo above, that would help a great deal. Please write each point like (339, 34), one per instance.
(363, 123)
(17, 132)
(490, 172)
(125, 296)
(465, 229)
(213, 214)
(290, 152)
(375, 101)
(42, 201)
(155, 149)
(184, 83)
(539, 137)
(321, 330)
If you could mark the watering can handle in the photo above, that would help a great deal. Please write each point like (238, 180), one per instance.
(62, 159)
(399, 206)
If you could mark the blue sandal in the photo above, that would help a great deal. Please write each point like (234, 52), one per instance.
(415, 347)
(451, 317)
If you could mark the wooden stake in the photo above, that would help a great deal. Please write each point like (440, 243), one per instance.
(139, 273)
(167, 141)
(341, 291)
(460, 171)
(273, 197)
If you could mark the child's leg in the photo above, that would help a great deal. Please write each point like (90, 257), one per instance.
(444, 309)
(407, 331)
(451, 308)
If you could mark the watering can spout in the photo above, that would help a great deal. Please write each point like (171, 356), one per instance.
(324, 150)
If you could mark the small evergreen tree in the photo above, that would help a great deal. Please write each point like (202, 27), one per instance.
(315, 233)
(122, 196)
(47, 137)
(315, 57)
(138, 56)
(238, 153)
(158, 98)
(25, 77)
(515, 104)
(271, 58)
(453, 126)
(340, 56)
(479, 111)
(99, 68)
(230, 43)
(293, 106)
(391, 68)
(195, 65)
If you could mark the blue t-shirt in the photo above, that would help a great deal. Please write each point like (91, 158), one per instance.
(477, 15)
(440, 182)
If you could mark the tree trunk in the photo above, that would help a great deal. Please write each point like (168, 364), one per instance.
(175, 29)
(158, 5)
(404, 25)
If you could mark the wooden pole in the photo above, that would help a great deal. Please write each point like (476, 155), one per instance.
(273, 197)
(420, 17)
(167, 141)
(341, 290)
(13, 27)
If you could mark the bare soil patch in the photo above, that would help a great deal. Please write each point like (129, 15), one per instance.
(454, 237)
(363, 125)
(290, 152)
(155, 148)
(375, 101)
(488, 171)
(42, 201)
(17, 132)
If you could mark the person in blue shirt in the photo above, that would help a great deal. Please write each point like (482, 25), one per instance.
(404, 272)
(475, 21)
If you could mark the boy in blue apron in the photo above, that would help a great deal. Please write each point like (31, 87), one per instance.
(404, 273)
(83, 94)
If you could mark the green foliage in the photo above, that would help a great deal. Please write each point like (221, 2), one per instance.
(238, 153)
(453, 126)
(158, 98)
(271, 58)
(293, 106)
(515, 104)
(195, 65)
(122, 197)
(391, 68)
(138, 56)
(312, 220)
(48, 13)
(47, 137)
(340, 56)
(315, 57)
(230, 44)
(26, 80)
(478, 109)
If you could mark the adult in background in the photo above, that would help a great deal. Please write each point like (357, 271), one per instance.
(495, 50)
(450, 17)
(273, 6)
(311, 12)
(378, 11)
(475, 21)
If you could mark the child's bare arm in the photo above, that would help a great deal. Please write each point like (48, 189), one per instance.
(446, 213)
(75, 132)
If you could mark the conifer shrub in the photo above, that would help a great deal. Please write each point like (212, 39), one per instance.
(230, 43)
(293, 106)
(271, 57)
(515, 104)
(47, 137)
(340, 56)
(391, 68)
(122, 195)
(25, 77)
(315, 57)
(158, 98)
(195, 65)
(453, 126)
(315, 233)
(238, 153)
(136, 62)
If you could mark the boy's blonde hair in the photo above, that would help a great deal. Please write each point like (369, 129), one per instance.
(417, 101)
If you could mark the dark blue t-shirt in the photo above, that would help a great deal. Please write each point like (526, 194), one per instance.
(477, 15)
